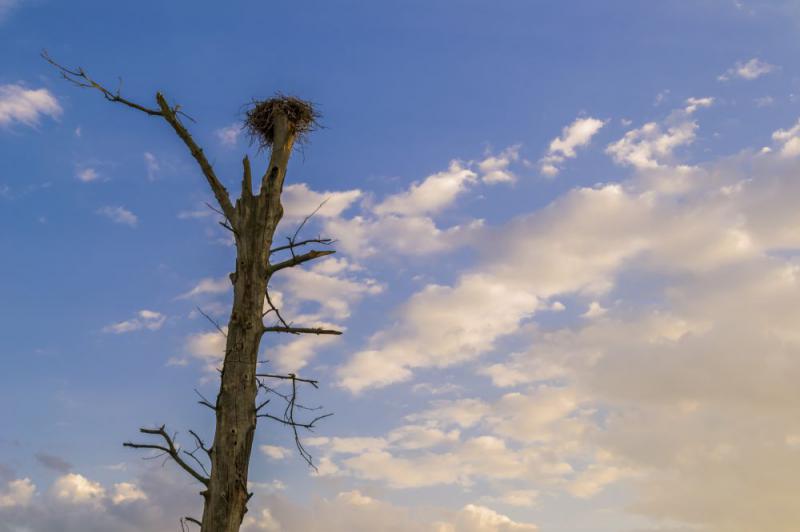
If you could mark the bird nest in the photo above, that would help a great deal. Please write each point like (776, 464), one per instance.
(261, 114)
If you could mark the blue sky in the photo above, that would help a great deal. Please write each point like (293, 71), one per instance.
(566, 262)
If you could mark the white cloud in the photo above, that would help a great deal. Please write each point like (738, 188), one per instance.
(299, 201)
(275, 452)
(209, 347)
(652, 145)
(747, 70)
(152, 166)
(693, 104)
(354, 510)
(119, 215)
(432, 195)
(87, 175)
(595, 310)
(441, 326)
(209, 285)
(77, 489)
(295, 354)
(788, 140)
(26, 106)
(229, 135)
(576, 135)
(17, 492)
(494, 169)
(475, 518)
(334, 294)
(125, 492)
(145, 319)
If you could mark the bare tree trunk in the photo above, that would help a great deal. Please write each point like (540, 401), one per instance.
(253, 220)
(258, 217)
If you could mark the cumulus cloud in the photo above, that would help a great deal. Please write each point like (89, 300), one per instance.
(77, 489)
(18, 492)
(275, 452)
(404, 223)
(208, 347)
(119, 215)
(652, 146)
(126, 492)
(576, 135)
(20, 105)
(355, 510)
(747, 70)
(435, 193)
(683, 388)
(300, 201)
(145, 319)
(495, 168)
(788, 140)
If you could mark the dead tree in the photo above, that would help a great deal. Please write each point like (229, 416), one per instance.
(276, 125)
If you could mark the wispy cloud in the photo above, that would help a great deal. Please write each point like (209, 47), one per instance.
(87, 174)
(144, 319)
(119, 215)
(747, 70)
(152, 166)
(229, 135)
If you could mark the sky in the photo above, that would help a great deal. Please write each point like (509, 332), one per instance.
(567, 262)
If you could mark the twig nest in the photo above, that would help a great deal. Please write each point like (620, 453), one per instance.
(261, 116)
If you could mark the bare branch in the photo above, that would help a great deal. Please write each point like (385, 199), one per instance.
(213, 322)
(273, 308)
(205, 402)
(307, 218)
(190, 520)
(80, 78)
(170, 449)
(303, 330)
(292, 245)
(300, 259)
(290, 376)
(292, 405)
(220, 192)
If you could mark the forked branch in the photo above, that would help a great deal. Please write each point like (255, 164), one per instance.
(169, 448)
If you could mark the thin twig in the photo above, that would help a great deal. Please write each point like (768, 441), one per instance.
(213, 322)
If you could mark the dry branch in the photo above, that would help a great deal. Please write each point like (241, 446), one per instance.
(170, 450)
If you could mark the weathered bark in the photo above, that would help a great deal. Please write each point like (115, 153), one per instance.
(257, 217)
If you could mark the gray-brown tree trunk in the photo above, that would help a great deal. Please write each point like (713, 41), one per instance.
(257, 218)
